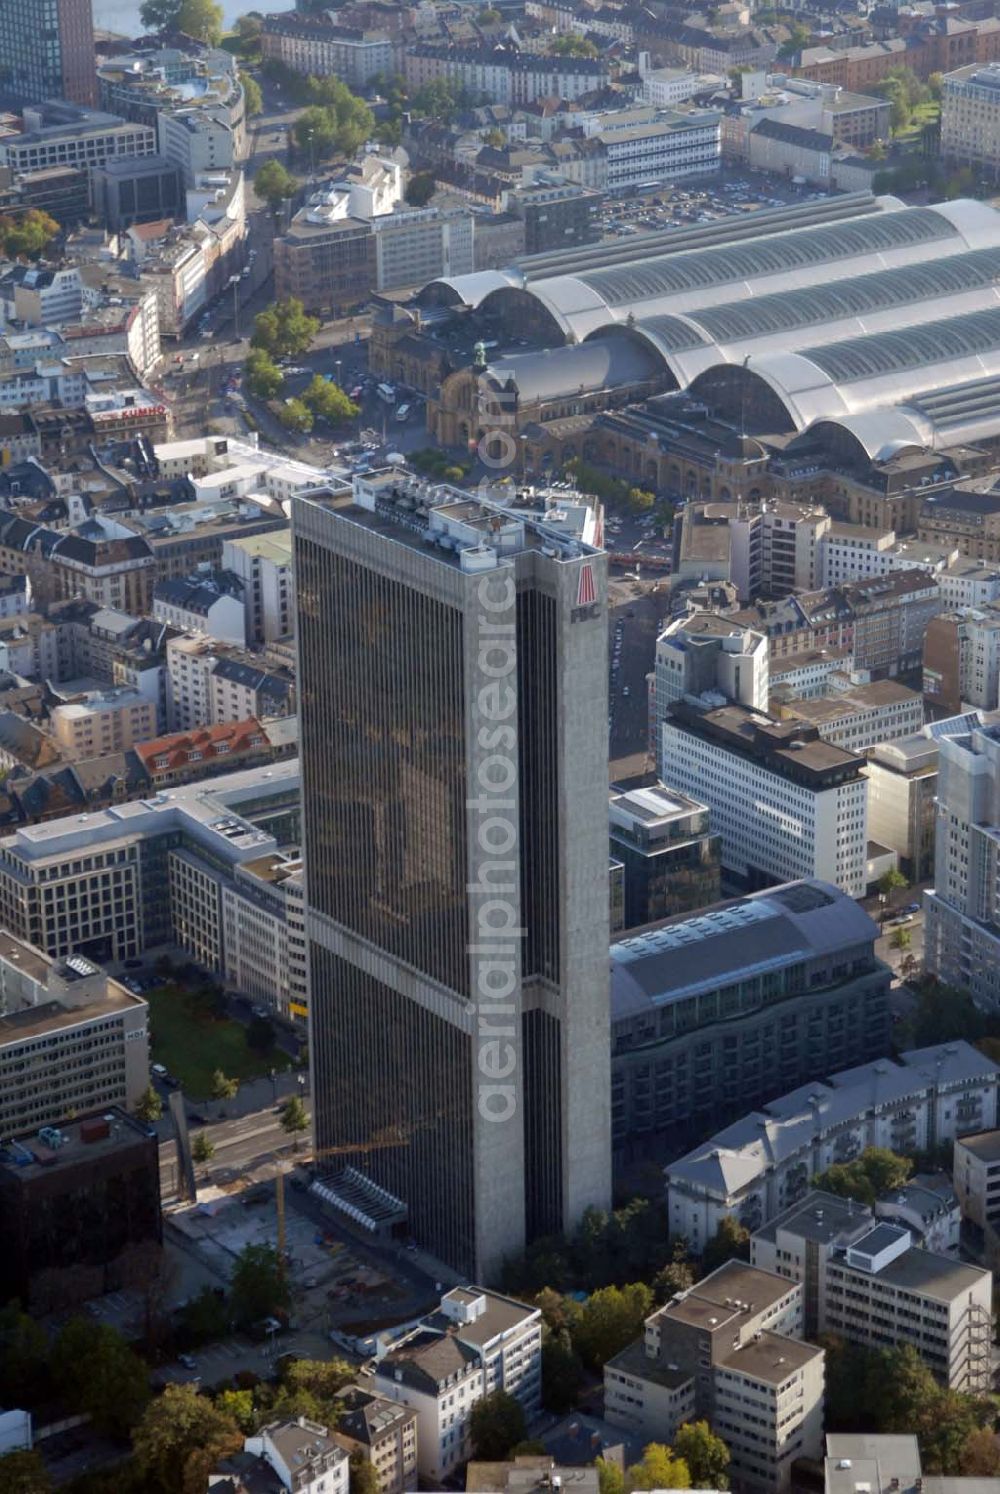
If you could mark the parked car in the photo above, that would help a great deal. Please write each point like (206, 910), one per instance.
(158, 1070)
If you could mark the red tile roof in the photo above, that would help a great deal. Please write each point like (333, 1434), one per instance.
(205, 744)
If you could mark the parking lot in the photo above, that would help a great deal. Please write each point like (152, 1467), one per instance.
(698, 202)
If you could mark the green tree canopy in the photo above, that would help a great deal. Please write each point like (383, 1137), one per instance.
(980, 1454)
(96, 1372)
(259, 1284)
(705, 1454)
(659, 1469)
(329, 402)
(180, 1439)
(149, 1106)
(890, 880)
(730, 1242)
(610, 1478)
(24, 1359)
(295, 415)
(293, 1117)
(562, 1372)
(238, 1405)
(203, 1147)
(336, 122)
(203, 1319)
(24, 1473)
(284, 330)
(309, 1387)
(28, 236)
(901, 939)
(224, 1088)
(272, 183)
(363, 1478)
(251, 93)
(263, 376)
(609, 1320)
(496, 1424)
(573, 46)
(874, 1172)
(420, 189)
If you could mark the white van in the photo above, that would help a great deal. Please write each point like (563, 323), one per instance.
(402, 411)
(386, 392)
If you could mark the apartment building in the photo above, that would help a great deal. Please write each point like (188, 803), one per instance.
(477, 1342)
(976, 1177)
(730, 1350)
(209, 603)
(187, 756)
(263, 563)
(103, 723)
(961, 665)
(705, 653)
(970, 116)
(71, 1039)
(504, 75)
(55, 134)
(763, 1163)
(384, 1433)
(866, 1282)
(857, 717)
(209, 684)
(301, 1455)
(317, 46)
(698, 1037)
(668, 854)
(786, 803)
(962, 925)
(263, 934)
(667, 149)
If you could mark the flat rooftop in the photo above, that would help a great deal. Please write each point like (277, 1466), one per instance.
(984, 1144)
(55, 1016)
(819, 1217)
(29, 1157)
(713, 1302)
(935, 1276)
(770, 1358)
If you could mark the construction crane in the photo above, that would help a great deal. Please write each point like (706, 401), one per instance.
(391, 1136)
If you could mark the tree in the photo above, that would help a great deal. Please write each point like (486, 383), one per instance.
(24, 1359)
(363, 1478)
(730, 1242)
(610, 1319)
(149, 1106)
(252, 95)
(223, 1088)
(237, 1404)
(29, 236)
(980, 1455)
(293, 1117)
(296, 416)
(640, 500)
(676, 1276)
(573, 46)
(284, 330)
(890, 880)
(875, 1172)
(798, 39)
(264, 378)
(901, 939)
(159, 15)
(496, 138)
(308, 1387)
(180, 1439)
(562, 1373)
(496, 1424)
(203, 1147)
(705, 1454)
(329, 402)
(250, 26)
(260, 1035)
(203, 1320)
(610, 1478)
(935, 84)
(420, 189)
(201, 19)
(24, 1473)
(259, 1285)
(273, 184)
(659, 1469)
(98, 1374)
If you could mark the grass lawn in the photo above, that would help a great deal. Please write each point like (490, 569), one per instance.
(193, 1046)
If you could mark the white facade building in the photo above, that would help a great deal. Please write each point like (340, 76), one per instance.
(704, 654)
(263, 562)
(763, 1163)
(857, 717)
(263, 934)
(303, 1455)
(665, 150)
(786, 803)
(477, 1342)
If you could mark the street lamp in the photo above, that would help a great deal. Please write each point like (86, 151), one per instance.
(312, 156)
(337, 367)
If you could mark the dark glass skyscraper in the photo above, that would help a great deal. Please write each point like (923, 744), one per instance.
(453, 677)
(47, 51)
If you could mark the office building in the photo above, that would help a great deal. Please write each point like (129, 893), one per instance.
(970, 116)
(396, 598)
(698, 1038)
(137, 189)
(867, 1283)
(962, 922)
(856, 717)
(71, 1039)
(102, 1173)
(786, 803)
(556, 215)
(669, 857)
(667, 149)
(263, 934)
(476, 1343)
(48, 54)
(763, 1163)
(889, 1461)
(384, 1433)
(705, 654)
(56, 134)
(729, 1350)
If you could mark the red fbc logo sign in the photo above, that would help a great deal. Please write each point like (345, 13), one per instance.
(586, 595)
